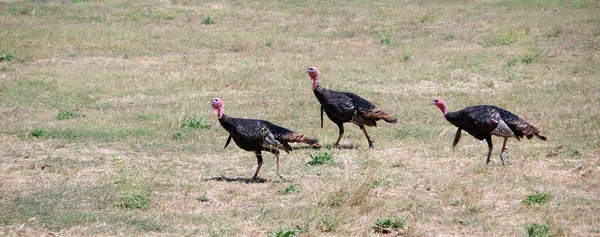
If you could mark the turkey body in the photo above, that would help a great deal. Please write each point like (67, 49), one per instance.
(259, 135)
(255, 134)
(483, 121)
(344, 107)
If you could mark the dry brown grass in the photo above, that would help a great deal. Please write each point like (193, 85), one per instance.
(136, 70)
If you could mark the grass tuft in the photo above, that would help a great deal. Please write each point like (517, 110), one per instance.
(537, 198)
(136, 201)
(282, 233)
(289, 190)
(502, 37)
(387, 225)
(537, 230)
(208, 20)
(322, 158)
(191, 123)
(62, 115)
(7, 56)
(327, 224)
(407, 55)
(204, 198)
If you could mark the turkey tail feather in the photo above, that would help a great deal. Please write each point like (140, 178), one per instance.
(530, 131)
(297, 137)
(378, 114)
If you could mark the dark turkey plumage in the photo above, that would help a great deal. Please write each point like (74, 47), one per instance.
(259, 135)
(344, 107)
(483, 121)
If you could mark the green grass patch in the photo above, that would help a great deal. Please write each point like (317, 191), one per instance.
(285, 232)
(208, 20)
(55, 208)
(407, 55)
(387, 225)
(136, 200)
(289, 190)
(7, 56)
(282, 233)
(537, 230)
(96, 134)
(192, 123)
(504, 36)
(321, 158)
(536, 198)
(62, 115)
(328, 224)
(147, 224)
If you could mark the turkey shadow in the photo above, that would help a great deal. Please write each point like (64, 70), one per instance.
(238, 179)
(342, 146)
(305, 148)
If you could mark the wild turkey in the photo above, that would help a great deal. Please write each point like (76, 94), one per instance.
(258, 135)
(483, 121)
(343, 107)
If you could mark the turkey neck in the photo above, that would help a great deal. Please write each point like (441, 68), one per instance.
(318, 90)
(444, 108)
(226, 122)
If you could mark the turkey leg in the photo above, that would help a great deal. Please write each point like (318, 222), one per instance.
(260, 162)
(367, 135)
(490, 147)
(279, 174)
(341, 127)
(502, 151)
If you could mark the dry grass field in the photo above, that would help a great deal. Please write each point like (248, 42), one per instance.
(106, 127)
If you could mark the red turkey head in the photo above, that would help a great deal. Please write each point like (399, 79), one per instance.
(314, 74)
(217, 105)
(440, 104)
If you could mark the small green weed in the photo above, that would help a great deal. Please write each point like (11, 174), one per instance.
(67, 115)
(328, 225)
(537, 198)
(264, 212)
(178, 136)
(387, 225)
(269, 42)
(282, 233)
(7, 56)
(208, 20)
(136, 199)
(429, 17)
(407, 55)
(537, 230)
(39, 132)
(531, 54)
(169, 15)
(502, 37)
(191, 123)
(204, 198)
(384, 39)
(323, 158)
(289, 190)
